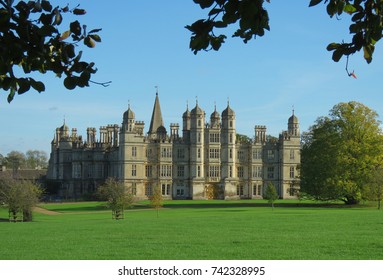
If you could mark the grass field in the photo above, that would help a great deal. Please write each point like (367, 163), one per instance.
(197, 230)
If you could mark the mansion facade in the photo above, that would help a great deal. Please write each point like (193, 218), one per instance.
(205, 160)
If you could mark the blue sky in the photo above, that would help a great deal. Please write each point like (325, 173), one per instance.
(144, 44)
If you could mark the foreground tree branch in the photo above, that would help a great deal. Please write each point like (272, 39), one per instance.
(30, 39)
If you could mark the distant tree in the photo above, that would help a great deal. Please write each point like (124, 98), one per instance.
(339, 153)
(250, 19)
(156, 199)
(15, 160)
(36, 159)
(20, 196)
(240, 138)
(375, 186)
(32, 42)
(271, 194)
(118, 197)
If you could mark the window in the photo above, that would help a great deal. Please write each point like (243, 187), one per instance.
(241, 154)
(231, 138)
(166, 152)
(165, 189)
(291, 154)
(240, 190)
(214, 153)
(270, 172)
(134, 170)
(214, 171)
(134, 151)
(148, 152)
(240, 171)
(180, 171)
(257, 189)
(180, 153)
(180, 192)
(199, 137)
(257, 171)
(134, 189)
(199, 153)
(231, 153)
(198, 171)
(214, 137)
(270, 154)
(292, 172)
(230, 171)
(166, 170)
(257, 154)
(199, 123)
(148, 170)
(76, 170)
(231, 124)
(148, 190)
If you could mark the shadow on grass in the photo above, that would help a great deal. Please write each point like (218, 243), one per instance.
(79, 209)
(257, 204)
(3, 220)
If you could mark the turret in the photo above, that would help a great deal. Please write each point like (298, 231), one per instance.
(293, 126)
(215, 119)
(128, 120)
(186, 124)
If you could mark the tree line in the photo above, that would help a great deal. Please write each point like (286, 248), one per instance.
(32, 159)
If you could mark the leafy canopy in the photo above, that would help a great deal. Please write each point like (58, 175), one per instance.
(340, 152)
(251, 20)
(30, 41)
(271, 194)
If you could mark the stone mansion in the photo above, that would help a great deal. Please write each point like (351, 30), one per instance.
(206, 160)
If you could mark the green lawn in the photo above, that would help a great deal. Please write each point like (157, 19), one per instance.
(197, 230)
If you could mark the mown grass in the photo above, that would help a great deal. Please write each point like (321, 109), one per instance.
(198, 230)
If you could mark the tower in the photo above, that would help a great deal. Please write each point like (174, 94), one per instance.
(197, 155)
(186, 124)
(293, 126)
(228, 138)
(290, 158)
(156, 128)
(128, 120)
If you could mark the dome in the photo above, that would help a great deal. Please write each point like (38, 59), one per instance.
(186, 114)
(64, 127)
(197, 110)
(293, 119)
(228, 112)
(129, 114)
(215, 115)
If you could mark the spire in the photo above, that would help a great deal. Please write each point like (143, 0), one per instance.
(156, 120)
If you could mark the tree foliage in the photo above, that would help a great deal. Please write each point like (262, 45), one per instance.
(30, 41)
(250, 15)
(32, 159)
(271, 194)
(366, 27)
(375, 185)
(20, 196)
(156, 199)
(251, 20)
(339, 152)
(117, 196)
(36, 159)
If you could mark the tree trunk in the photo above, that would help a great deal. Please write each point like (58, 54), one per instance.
(27, 215)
